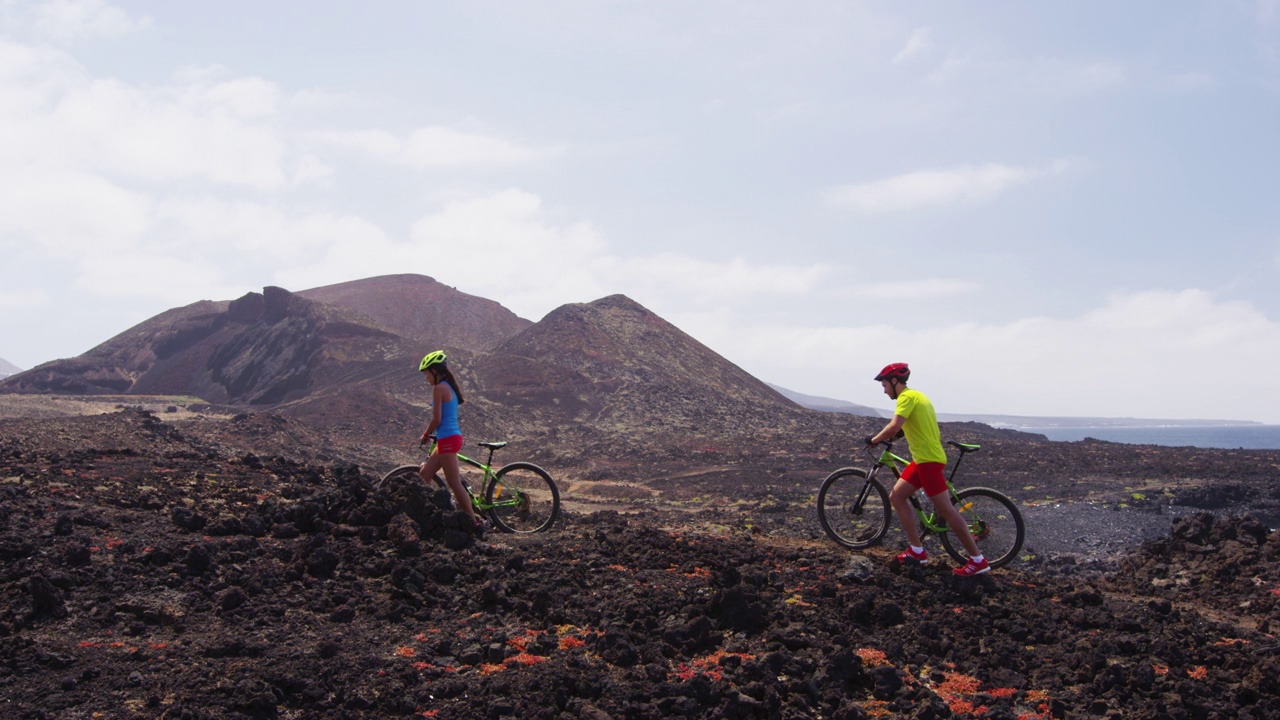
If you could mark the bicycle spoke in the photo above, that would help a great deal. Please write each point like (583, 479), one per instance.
(523, 499)
(853, 511)
(994, 522)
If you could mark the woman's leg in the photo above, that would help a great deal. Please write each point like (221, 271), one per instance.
(429, 468)
(453, 477)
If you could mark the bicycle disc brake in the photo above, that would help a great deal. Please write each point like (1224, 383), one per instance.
(980, 530)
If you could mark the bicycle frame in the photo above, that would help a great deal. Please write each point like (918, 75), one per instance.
(928, 520)
(487, 468)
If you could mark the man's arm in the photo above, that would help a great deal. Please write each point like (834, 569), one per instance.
(889, 431)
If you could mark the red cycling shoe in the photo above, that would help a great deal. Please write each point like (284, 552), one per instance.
(910, 556)
(972, 568)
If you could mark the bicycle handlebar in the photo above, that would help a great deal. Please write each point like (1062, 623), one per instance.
(876, 452)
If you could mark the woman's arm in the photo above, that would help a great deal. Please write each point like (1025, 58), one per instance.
(439, 396)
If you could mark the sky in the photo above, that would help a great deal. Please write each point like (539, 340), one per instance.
(1045, 208)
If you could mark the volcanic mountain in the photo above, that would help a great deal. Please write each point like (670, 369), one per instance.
(612, 363)
(418, 308)
(261, 350)
(342, 357)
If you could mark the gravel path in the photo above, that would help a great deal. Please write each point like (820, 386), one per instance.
(1070, 533)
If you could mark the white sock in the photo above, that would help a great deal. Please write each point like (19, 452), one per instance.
(917, 550)
(976, 558)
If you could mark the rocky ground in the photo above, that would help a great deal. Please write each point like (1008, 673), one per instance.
(155, 567)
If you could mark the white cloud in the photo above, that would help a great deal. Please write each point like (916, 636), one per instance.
(919, 44)
(81, 19)
(707, 281)
(500, 246)
(169, 279)
(929, 187)
(31, 80)
(1157, 354)
(201, 127)
(62, 213)
(1192, 81)
(788, 112)
(909, 289)
(271, 235)
(987, 72)
(215, 90)
(22, 299)
(436, 147)
(508, 247)
(533, 264)
(1093, 76)
(311, 169)
(180, 132)
(925, 188)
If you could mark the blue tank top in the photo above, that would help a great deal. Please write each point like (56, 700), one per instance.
(449, 418)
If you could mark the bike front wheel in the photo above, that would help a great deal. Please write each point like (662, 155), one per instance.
(994, 522)
(522, 498)
(853, 509)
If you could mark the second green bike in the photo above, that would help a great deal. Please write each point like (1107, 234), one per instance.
(854, 509)
(519, 497)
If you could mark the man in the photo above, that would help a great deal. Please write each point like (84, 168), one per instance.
(915, 417)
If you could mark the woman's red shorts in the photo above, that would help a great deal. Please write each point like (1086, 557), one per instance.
(450, 445)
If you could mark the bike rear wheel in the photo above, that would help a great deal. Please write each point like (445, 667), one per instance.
(523, 497)
(994, 522)
(404, 472)
(854, 510)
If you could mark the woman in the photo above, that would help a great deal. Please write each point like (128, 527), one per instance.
(444, 429)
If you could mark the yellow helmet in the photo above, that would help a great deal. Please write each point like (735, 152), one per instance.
(432, 358)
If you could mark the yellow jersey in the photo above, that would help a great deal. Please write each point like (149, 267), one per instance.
(923, 436)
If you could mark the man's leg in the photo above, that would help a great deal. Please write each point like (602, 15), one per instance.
(942, 503)
(900, 498)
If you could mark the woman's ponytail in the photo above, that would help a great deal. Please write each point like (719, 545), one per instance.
(453, 383)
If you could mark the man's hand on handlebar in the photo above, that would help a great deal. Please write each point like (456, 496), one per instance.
(870, 440)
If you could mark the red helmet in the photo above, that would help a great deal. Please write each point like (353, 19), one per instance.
(892, 371)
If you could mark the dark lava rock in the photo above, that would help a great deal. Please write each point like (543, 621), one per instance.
(186, 518)
(650, 614)
(402, 533)
(232, 599)
(46, 599)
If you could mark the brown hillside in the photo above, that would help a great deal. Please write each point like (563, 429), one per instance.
(262, 349)
(612, 344)
(611, 378)
(421, 309)
(115, 365)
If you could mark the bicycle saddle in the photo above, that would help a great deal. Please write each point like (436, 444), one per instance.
(964, 447)
(493, 445)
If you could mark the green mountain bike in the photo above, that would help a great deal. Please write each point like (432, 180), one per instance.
(854, 509)
(519, 497)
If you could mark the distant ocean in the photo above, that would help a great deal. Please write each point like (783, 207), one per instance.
(1248, 437)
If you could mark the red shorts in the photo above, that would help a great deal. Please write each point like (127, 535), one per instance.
(928, 476)
(449, 445)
